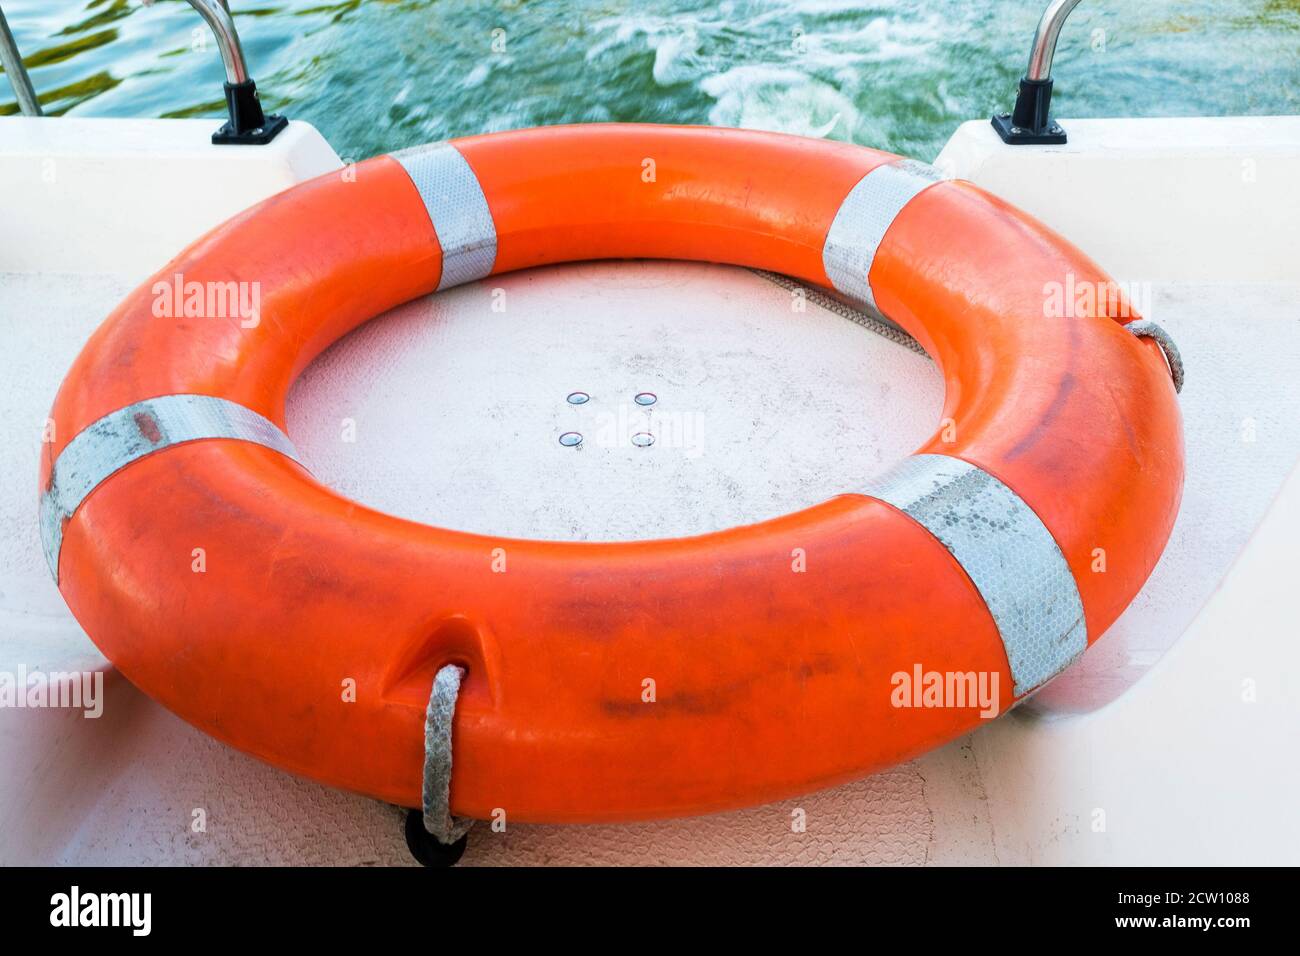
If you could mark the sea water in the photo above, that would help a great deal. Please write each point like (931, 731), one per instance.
(898, 74)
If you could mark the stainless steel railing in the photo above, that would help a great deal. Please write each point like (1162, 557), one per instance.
(248, 124)
(216, 13)
(17, 73)
(1046, 37)
(1030, 122)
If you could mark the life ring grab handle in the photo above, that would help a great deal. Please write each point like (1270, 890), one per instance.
(1145, 328)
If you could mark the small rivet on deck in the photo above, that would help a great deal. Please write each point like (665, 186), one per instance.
(577, 398)
(643, 439)
(571, 439)
(645, 398)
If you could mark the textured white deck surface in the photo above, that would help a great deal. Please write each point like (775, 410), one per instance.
(457, 409)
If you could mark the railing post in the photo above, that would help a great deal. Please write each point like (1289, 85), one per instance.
(248, 124)
(1030, 123)
(12, 61)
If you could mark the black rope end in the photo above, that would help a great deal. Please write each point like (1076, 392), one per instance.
(428, 851)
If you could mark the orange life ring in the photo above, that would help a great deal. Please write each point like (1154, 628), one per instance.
(1062, 442)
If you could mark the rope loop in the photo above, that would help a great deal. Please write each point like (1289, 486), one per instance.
(442, 826)
(1145, 328)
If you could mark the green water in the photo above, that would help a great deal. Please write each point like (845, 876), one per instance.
(899, 74)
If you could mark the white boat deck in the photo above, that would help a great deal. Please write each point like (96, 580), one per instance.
(762, 409)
